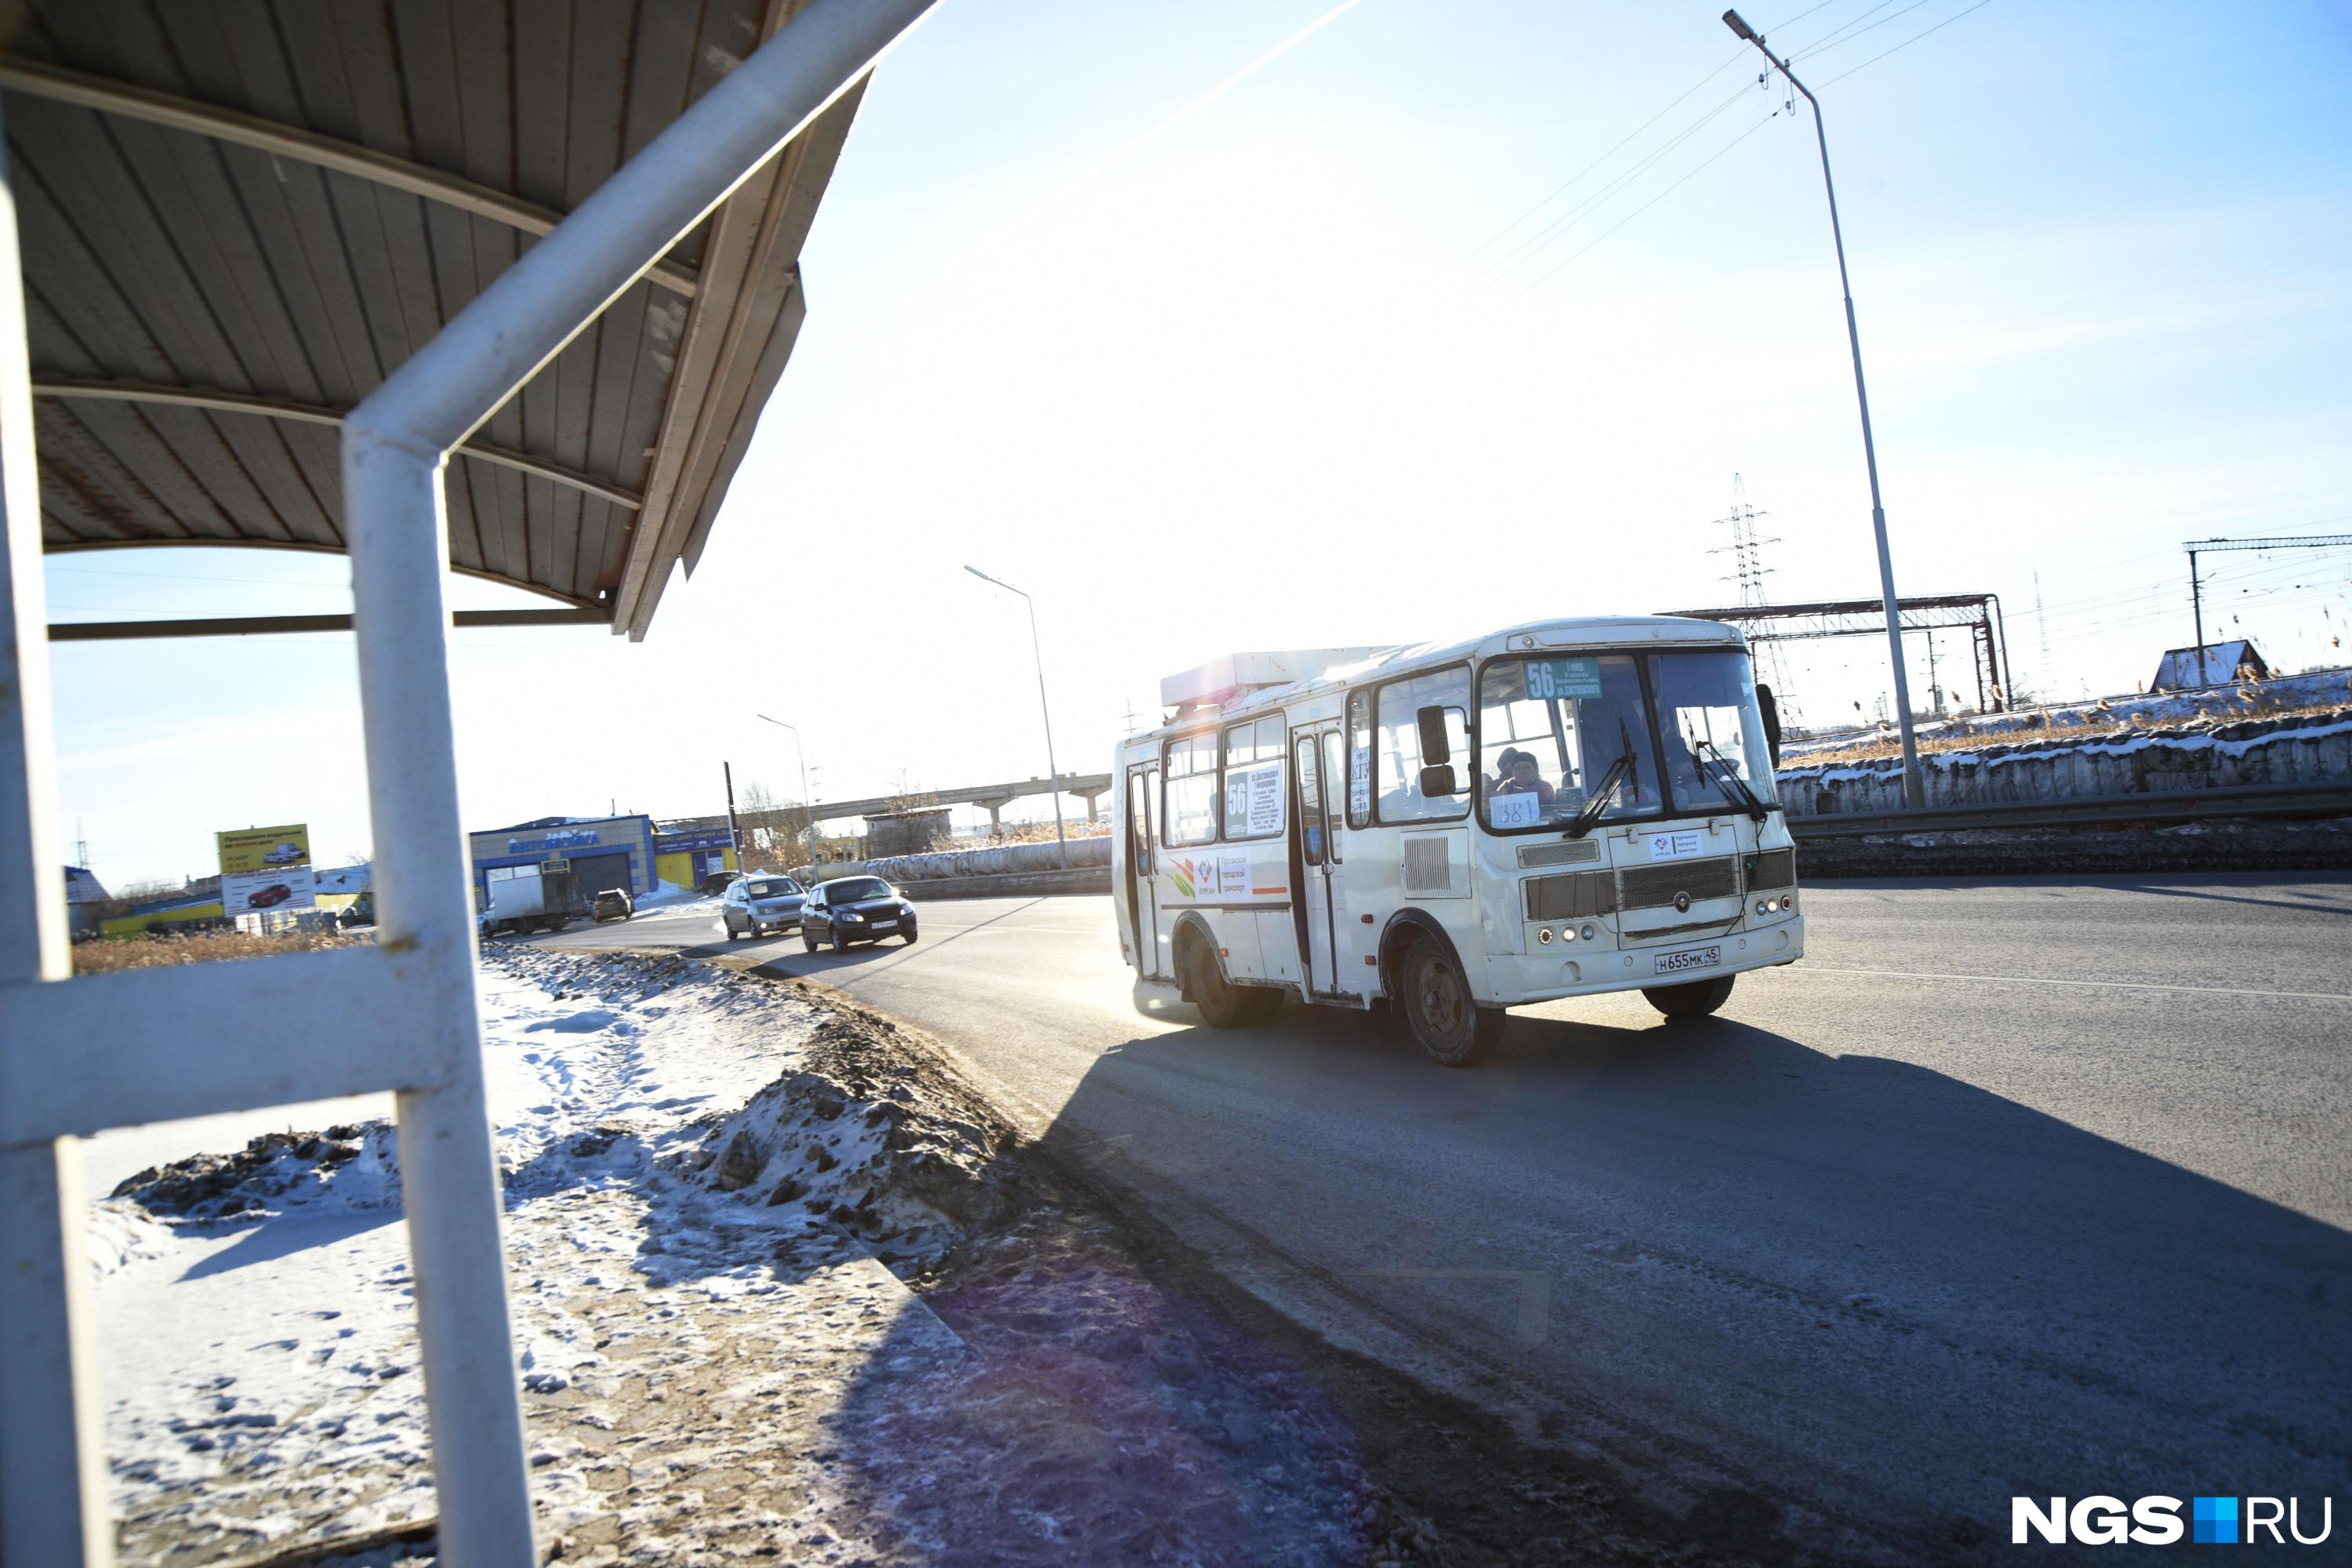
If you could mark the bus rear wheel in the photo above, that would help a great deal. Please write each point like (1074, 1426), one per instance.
(1692, 999)
(1221, 1002)
(1454, 1029)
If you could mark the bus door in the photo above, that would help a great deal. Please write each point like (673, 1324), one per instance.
(1311, 826)
(1142, 864)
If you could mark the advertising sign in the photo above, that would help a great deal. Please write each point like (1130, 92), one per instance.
(264, 848)
(258, 892)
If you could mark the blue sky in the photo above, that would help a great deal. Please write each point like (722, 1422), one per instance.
(1249, 379)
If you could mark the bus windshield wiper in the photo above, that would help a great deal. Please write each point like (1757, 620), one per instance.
(1726, 772)
(1584, 819)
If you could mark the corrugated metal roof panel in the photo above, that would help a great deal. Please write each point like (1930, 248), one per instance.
(221, 202)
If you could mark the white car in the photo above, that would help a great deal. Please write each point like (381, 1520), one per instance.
(284, 855)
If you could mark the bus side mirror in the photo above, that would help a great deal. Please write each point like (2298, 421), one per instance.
(1436, 783)
(1772, 709)
(1433, 748)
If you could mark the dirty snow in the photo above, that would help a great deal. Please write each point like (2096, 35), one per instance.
(714, 1184)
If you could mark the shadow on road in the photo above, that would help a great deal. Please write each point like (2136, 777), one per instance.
(1845, 1283)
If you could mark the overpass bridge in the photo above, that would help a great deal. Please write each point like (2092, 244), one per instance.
(992, 798)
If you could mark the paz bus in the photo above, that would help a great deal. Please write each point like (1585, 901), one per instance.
(1559, 809)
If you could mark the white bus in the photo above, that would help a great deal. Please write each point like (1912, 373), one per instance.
(1560, 809)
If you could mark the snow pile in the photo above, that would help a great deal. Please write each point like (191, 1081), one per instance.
(864, 1139)
(122, 1233)
(346, 1167)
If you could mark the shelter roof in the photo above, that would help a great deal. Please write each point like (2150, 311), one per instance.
(236, 220)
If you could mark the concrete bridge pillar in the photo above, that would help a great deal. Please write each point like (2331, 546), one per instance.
(995, 809)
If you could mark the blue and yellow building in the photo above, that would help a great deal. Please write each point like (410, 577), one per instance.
(628, 852)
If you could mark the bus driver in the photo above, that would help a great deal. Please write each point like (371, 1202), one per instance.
(1521, 775)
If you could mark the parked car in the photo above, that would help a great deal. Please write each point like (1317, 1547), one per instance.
(274, 894)
(284, 855)
(361, 911)
(760, 903)
(719, 882)
(613, 904)
(855, 908)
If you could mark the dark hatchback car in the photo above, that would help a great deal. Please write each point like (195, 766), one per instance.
(613, 904)
(855, 908)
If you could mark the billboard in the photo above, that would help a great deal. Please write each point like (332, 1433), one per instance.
(258, 892)
(256, 849)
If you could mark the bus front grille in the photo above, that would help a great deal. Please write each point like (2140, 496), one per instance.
(1574, 897)
(1774, 869)
(1647, 887)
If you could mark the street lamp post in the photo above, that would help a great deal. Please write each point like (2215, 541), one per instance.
(1061, 835)
(1914, 787)
(808, 806)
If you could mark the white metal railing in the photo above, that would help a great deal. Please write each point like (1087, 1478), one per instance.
(78, 1056)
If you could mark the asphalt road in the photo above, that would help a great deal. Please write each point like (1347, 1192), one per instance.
(2011, 1187)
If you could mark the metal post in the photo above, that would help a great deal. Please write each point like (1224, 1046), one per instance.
(734, 828)
(52, 1465)
(394, 445)
(397, 523)
(1053, 772)
(808, 806)
(1915, 785)
(2197, 610)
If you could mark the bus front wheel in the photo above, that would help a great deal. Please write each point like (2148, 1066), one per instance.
(1452, 1029)
(1693, 999)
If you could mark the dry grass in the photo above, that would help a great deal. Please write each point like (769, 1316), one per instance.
(1035, 833)
(112, 954)
(1962, 735)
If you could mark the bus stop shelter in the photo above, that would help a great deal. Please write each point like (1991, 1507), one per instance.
(497, 289)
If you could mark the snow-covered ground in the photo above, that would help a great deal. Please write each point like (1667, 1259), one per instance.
(710, 1181)
(239, 1353)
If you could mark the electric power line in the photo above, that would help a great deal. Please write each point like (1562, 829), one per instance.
(1728, 61)
(1907, 43)
(1646, 206)
(1839, 37)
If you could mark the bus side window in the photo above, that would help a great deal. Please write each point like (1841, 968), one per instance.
(1360, 758)
(1401, 799)
(1191, 776)
(1250, 747)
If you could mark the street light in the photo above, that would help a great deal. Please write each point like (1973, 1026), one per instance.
(1055, 773)
(1914, 787)
(808, 806)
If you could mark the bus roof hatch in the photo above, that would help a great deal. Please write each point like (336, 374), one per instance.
(1217, 681)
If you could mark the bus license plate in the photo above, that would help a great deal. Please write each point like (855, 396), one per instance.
(1690, 958)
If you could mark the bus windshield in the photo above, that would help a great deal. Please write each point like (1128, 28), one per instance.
(1555, 731)
(1709, 721)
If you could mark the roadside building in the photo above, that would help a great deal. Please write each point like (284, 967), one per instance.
(338, 888)
(196, 907)
(914, 832)
(687, 852)
(602, 851)
(2224, 663)
(86, 901)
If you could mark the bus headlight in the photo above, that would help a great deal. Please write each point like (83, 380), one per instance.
(1789, 901)
(1587, 933)
(1763, 906)
(1544, 936)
